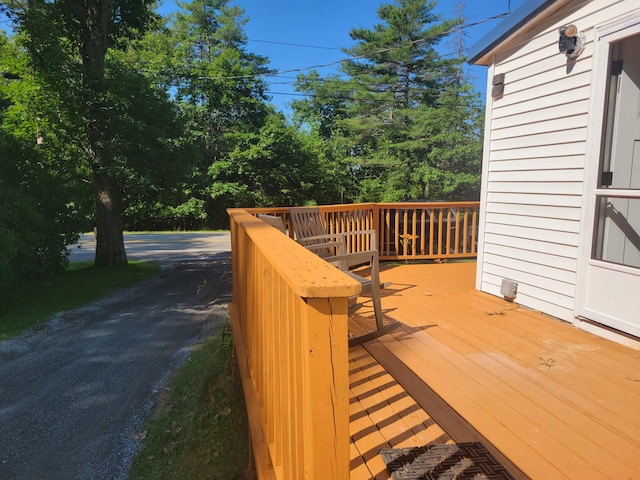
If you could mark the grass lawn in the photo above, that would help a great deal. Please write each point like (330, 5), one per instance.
(200, 430)
(31, 303)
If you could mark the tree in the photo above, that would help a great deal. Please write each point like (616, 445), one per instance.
(408, 120)
(150, 148)
(43, 204)
(57, 34)
(320, 118)
(328, 99)
(220, 93)
(453, 163)
(271, 167)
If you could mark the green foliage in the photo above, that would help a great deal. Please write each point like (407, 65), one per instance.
(200, 430)
(151, 156)
(113, 127)
(241, 152)
(167, 120)
(270, 167)
(221, 102)
(68, 44)
(40, 216)
(408, 124)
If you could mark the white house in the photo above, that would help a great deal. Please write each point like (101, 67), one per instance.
(560, 197)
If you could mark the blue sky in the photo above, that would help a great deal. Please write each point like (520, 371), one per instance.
(326, 23)
(321, 27)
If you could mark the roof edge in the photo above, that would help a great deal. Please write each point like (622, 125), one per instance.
(507, 27)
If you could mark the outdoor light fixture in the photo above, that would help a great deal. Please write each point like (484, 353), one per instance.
(571, 41)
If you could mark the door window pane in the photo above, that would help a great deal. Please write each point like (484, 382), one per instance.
(618, 231)
(620, 156)
(617, 221)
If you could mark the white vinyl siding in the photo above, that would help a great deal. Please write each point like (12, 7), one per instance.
(535, 163)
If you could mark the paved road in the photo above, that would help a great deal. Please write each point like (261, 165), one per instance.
(160, 247)
(74, 394)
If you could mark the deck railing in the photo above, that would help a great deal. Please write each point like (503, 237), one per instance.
(405, 230)
(289, 318)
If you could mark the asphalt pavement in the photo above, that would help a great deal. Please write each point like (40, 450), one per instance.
(75, 392)
(160, 247)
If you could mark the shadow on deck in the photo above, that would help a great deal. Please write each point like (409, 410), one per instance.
(548, 400)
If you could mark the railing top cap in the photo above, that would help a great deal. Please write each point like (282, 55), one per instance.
(307, 274)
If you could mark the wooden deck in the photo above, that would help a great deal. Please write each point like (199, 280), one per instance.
(549, 401)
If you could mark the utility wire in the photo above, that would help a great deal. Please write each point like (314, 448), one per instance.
(357, 57)
(294, 44)
(336, 75)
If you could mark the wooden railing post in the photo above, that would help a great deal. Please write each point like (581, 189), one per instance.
(327, 386)
(289, 318)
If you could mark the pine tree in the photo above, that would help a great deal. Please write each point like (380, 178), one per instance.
(409, 122)
(218, 87)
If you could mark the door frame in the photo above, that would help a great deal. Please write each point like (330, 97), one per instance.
(604, 36)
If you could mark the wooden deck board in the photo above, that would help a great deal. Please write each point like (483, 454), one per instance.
(382, 415)
(554, 372)
(552, 400)
(539, 380)
(463, 387)
(539, 430)
(411, 425)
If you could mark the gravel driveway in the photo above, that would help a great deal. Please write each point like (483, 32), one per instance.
(74, 394)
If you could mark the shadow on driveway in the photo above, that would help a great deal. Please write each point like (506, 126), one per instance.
(74, 393)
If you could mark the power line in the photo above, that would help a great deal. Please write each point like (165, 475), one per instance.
(357, 57)
(460, 104)
(294, 44)
(336, 75)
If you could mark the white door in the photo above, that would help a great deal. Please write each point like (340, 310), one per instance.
(612, 277)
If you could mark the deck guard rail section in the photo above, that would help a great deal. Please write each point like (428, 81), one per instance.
(404, 230)
(427, 230)
(289, 318)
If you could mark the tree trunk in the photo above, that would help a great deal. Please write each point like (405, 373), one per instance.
(110, 250)
(94, 18)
